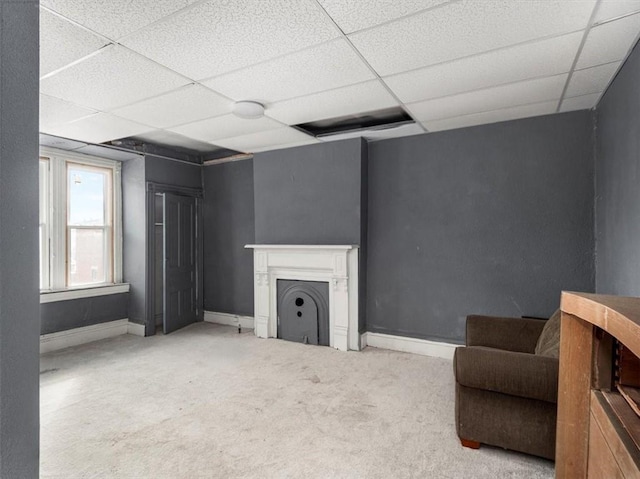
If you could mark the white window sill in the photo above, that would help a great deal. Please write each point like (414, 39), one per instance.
(67, 294)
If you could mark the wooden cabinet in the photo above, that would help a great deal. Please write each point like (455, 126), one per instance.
(598, 430)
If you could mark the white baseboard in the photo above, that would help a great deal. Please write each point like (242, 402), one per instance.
(135, 329)
(86, 334)
(408, 345)
(245, 322)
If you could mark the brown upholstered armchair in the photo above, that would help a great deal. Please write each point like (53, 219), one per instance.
(506, 394)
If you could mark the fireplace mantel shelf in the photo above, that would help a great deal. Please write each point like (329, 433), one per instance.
(341, 247)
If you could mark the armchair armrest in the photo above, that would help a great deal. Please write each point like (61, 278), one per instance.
(511, 334)
(508, 372)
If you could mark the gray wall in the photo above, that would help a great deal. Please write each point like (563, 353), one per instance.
(309, 194)
(175, 173)
(618, 184)
(19, 303)
(228, 226)
(76, 313)
(496, 219)
(134, 224)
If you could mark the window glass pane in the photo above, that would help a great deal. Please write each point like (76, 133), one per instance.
(87, 256)
(43, 229)
(87, 188)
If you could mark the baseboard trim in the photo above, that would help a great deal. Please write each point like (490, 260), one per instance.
(423, 347)
(135, 329)
(245, 322)
(86, 334)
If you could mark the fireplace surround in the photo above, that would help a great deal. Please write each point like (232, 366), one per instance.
(335, 264)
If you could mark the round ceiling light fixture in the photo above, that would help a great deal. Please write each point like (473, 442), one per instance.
(248, 109)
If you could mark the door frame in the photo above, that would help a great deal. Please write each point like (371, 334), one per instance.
(154, 188)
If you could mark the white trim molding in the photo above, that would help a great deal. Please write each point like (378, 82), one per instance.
(86, 334)
(333, 264)
(423, 347)
(64, 295)
(135, 329)
(245, 322)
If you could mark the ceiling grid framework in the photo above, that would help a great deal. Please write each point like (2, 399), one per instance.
(169, 71)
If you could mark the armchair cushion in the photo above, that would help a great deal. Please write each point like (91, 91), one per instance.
(508, 372)
(512, 334)
(549, 342)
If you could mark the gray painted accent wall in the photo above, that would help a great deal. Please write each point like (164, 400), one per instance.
(309, 194)
(19, 295)
(175, 173)
(134, 224)
(618, 183)
(228, 226)
(495, 219)
(76, 313)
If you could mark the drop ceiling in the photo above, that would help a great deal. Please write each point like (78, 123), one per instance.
(169, 71)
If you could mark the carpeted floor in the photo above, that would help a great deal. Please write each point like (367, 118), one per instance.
(207, 402)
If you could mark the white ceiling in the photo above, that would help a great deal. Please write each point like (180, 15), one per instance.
(168, 71)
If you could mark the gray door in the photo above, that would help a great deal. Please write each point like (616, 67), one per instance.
(180, 305)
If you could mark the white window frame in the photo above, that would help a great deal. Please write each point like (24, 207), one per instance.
(57, 221)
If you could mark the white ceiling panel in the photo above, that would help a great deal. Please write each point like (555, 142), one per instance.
(98, 128)
(523, 111)
(225, 126)
(185, 105)
(609, 9)
(216, 37)
(115, 18)
(531, 60)
(349, 100)
(62, 42)
(169, 138)
(267, 140)
(466, 28)
(505, 96)
(591, 80)
(353, 16)
(584, 102)
(609, 42)
(54, 112)
(114, 77)
(330, 65)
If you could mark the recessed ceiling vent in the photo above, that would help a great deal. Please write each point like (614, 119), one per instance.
(357, 125)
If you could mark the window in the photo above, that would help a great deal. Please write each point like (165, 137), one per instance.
(80, 220)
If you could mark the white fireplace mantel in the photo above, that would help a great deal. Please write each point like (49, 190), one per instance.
(335, 264)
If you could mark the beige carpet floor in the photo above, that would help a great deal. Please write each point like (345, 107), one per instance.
(207, 402)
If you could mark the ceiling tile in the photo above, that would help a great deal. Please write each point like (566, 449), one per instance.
(584, 102)
(62, 42)
(349, 100)
(505, 96)
(115, 18)
(523, 111)
(54, 111)
(267, 140)
(353, 16)
(591, 80)
(113, 77)
(326, 66)
(186, 105)
(224, 127)
(216, 37)
(98, 128)
(531, 60)
(609, 42)
(609, 9)
(169, 138)
(408, 129)
(465, 28)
